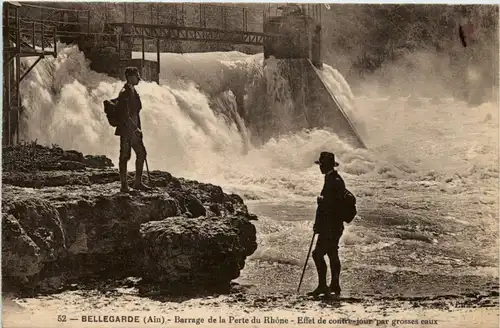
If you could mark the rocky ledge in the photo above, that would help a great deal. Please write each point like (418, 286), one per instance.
(64, 218)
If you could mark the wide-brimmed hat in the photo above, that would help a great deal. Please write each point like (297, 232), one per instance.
(327, 158)
(132, 71)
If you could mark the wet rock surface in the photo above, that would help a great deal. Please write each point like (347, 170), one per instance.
(32, 157)
(66, 221)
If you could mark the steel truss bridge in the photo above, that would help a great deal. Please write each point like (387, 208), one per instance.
(33, 30)
(182, 33)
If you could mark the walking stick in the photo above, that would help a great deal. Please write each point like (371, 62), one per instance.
(307, 259)
(145, 159)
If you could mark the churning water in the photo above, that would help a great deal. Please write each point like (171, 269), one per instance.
(419, 149)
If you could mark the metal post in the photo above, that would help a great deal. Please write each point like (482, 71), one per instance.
(200, 13)
(142, 46)
(223, 13)
(7, 27)
(33, 35)
(176, 14)
(243, 19)
(9, 114)
(182, 14)
(8, 80)
(43, 38)
(158, 59)
(18, 94)
(88, 22)
(18, 74)
(18, 32)
(119, 41)
(55, 42)
(320, 10)
(151, 14)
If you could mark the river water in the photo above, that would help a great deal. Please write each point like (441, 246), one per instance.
(427, 186)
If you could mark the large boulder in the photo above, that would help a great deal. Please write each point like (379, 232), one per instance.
(32, 234)
(62, 222)
(203, 251)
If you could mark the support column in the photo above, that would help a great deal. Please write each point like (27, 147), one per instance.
(158, 61)
(18, 96)
(316, 48)
(127, 43)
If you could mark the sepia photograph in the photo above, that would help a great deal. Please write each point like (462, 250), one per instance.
(250, 164)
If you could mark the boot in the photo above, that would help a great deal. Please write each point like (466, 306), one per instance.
(123, 177)
(335, 288)
(138, 185)
(335, 282)
(335, 268)
(321, 289)
(320, 263)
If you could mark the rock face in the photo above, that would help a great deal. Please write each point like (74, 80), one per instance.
(67, 224)
(201, 251)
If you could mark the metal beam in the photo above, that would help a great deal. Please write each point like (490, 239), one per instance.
(165, 32)
(31, 67)
(184, 33)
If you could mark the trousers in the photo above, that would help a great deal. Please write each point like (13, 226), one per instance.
(127, 143)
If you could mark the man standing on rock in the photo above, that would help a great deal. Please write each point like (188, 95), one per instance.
(129, 130)
(328, 225)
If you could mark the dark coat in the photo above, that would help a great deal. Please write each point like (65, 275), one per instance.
(332, 192)
(129, 104)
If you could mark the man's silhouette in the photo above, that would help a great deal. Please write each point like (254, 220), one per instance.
(129, 130)
(328, 225)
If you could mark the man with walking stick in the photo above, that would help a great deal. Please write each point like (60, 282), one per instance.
(328, 225)
(129, 130)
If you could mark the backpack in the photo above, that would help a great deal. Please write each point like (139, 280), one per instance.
(112, 111)
(348, 206)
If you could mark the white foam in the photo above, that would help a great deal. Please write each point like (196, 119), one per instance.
(192, 126)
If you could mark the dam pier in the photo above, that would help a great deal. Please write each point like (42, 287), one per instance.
(108, 34)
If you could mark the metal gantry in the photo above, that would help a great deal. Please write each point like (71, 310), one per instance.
(241, 17)
(20, 39)
(34, 30)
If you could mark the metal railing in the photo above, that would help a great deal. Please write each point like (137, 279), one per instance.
(34, 34)
(223, 17)
(62, 18)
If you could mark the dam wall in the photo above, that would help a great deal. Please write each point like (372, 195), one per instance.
(298, 51)
(315, 105)
(325, 110)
